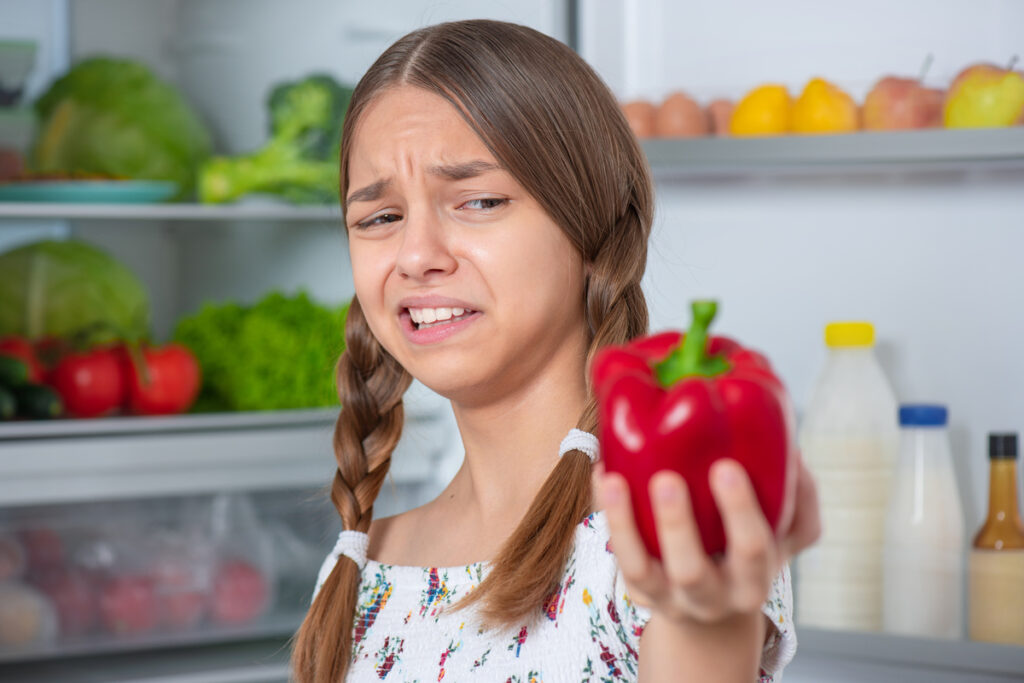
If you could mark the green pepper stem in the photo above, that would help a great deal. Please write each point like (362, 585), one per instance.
(690, 358)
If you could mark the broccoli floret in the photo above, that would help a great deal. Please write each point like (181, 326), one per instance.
(300, 161)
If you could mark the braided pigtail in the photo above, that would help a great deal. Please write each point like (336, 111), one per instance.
(370, 386)
(529, 567)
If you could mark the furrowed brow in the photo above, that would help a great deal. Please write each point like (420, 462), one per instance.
(469, 169)
(370, 193)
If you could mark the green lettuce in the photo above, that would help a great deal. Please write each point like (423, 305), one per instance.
(71, 290)
(277, 354)
(115, 117)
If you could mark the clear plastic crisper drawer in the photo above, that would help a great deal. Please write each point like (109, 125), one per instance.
(128, 574)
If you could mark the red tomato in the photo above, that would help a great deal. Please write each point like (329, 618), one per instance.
(128, 605)
(172, 382)
(240, 593)
(91, 383)
(22, 349)
(49, 351)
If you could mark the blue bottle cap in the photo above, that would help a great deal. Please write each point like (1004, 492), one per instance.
(923, 415)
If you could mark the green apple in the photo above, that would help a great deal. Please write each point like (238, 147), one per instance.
(985, 96)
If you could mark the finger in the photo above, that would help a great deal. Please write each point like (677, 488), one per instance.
(750, 552)
(686, 564)
(635, 562)
(805, 528)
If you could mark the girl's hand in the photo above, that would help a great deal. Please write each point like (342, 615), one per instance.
(687, 584)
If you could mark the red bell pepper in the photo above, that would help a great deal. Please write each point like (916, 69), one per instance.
(680, 402)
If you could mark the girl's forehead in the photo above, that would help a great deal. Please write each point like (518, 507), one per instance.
(411, 127)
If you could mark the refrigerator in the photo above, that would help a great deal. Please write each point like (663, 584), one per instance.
(917, 232)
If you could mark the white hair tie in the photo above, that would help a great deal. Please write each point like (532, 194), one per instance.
(351, 544)
(579, 440)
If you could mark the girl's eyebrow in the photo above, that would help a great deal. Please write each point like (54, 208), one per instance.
(461, 171)
(468, 169)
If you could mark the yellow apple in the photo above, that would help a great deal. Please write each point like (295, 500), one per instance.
(984, 96)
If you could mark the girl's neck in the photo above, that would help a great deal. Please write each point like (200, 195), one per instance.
(512, 445)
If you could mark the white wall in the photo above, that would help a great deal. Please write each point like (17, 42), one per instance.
(646, 48)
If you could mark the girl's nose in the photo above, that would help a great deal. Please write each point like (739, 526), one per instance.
(424, 252)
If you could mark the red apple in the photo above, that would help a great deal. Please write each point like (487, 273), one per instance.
(896, 103)
(72, 593)
(240, 593)
(128, 605)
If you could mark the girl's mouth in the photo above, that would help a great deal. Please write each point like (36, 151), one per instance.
(425, 318)
(430, 325)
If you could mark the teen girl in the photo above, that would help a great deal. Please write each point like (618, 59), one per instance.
(497, 210)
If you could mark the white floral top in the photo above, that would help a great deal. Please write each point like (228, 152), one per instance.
(590, 630)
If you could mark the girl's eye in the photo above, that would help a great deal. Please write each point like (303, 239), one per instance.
(485, 203)
(378, 220)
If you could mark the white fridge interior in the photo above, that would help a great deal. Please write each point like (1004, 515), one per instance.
(923, 240)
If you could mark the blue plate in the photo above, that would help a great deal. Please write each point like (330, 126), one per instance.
(88, 191)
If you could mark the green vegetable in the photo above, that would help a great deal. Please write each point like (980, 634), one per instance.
(277, 354)
(38, 402)
(114, 116)
(72, 290)
(8, 406)
(300, 161)
(13, 371)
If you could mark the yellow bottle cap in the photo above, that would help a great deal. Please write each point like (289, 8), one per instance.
(850, 334)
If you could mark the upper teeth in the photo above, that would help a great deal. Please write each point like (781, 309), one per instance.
(430, 315)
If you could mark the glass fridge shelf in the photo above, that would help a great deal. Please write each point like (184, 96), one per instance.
(970, 659)
(183, 212)
(917, 150)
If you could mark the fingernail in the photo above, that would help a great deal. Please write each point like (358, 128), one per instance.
(666, 492)
(726, 474)
(612, 493)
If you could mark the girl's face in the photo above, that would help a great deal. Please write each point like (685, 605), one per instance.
(462, 276)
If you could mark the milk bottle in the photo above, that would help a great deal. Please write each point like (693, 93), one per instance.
(849, 438)
(923, 578)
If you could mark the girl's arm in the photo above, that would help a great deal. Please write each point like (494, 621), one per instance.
(706, 621)
(727, 650)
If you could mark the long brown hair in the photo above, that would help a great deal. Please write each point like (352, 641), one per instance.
(555, 126)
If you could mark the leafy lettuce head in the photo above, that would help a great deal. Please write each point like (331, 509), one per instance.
(70, 290)
(115, 117)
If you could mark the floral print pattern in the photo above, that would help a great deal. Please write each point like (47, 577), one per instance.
(405, 631)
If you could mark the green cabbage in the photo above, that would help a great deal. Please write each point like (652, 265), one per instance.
(115, 117)
(277, 354)
(70, 290)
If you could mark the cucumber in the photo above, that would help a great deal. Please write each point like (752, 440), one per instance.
(13, 371)
(38, 402)
(7, 405)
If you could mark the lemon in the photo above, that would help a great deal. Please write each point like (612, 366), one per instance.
(824, 108)
(765, 110)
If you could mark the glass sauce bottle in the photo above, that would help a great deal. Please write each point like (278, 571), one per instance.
(996, 591)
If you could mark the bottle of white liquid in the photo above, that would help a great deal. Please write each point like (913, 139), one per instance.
(849, 438)
(924, 533)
